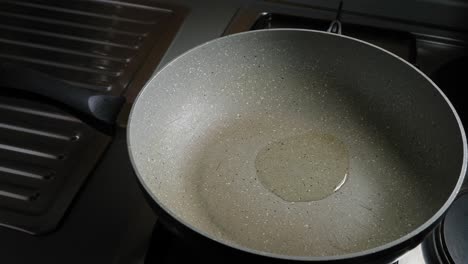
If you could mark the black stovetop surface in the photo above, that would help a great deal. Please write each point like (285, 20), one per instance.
(66, 186)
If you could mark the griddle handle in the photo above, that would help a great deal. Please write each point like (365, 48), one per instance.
(99, 110)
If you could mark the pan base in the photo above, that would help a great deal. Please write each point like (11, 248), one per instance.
(303, 168)
(232, 202)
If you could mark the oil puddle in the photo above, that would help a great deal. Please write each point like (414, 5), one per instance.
(303, 168)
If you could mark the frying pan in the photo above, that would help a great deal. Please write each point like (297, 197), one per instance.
(296, 145)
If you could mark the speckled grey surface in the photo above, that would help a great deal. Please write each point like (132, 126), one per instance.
(304, 167)
(197, 128)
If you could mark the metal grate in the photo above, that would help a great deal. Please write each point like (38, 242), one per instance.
(94, 44)
(44, 157)
(107, 46)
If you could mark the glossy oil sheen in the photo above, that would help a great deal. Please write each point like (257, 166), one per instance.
(303, 168)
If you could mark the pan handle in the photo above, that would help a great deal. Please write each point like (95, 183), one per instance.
(335, 25)
(96, 109)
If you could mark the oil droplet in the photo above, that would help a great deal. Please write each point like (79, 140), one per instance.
(303, 168)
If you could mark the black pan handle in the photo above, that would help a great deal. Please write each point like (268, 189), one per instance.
(335, 25)
(96, 109)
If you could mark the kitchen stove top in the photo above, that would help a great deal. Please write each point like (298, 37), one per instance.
(46, 154)
(109, 221)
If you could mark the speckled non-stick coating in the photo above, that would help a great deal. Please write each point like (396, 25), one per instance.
(197, 127)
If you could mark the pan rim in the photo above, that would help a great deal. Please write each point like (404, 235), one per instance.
(423, 227)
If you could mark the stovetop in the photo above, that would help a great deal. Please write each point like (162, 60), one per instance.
(50, 160)
(106, 219)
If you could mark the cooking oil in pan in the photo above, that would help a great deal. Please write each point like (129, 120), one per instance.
(303, 168)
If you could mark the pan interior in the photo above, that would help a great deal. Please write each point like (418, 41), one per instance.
(388, 145)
